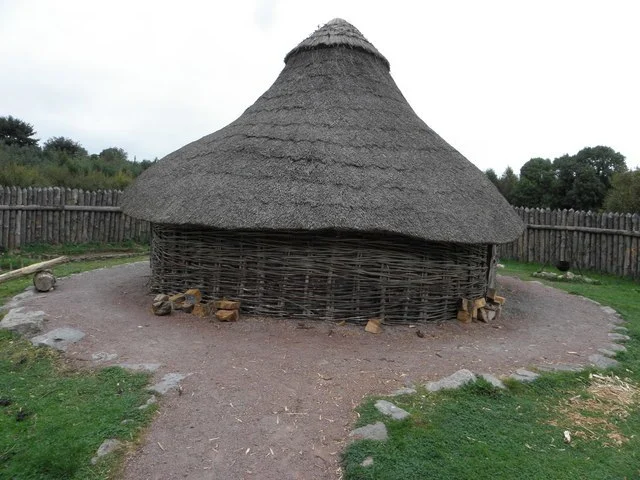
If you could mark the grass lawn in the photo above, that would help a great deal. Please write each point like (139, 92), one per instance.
(52, 417)
(479, 432)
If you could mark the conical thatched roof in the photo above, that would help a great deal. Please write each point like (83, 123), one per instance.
(332, 144)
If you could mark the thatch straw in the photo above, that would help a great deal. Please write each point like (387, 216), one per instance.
(332, 144)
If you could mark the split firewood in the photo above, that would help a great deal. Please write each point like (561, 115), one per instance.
(373, 326)
(227, 315)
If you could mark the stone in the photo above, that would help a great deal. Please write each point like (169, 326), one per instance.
(23, 323)
(106, 448)
(227, 315)
(608, 310)
(603, 362)
(60, 338)
(619, 329)
(455, 380)
(227, 305)
(374, 431)
(522, 375)
(619, 337)
(17, 300)
(367, 462)
(561, 367)
(161, 308)
(391, 410)
(151, 401)
(103, 356)
(493, 380)
(373, 326)
(192, 296)
(403, 391)
(140, 367)
(169, 382)
(607, 353)
(616, 347)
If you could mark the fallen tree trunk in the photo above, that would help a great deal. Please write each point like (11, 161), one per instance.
(36, 267)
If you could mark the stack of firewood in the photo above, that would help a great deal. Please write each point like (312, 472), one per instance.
(191, 302)
(483, 309)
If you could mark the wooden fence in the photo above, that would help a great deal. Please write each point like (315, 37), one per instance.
(64, 215)
(602, 242)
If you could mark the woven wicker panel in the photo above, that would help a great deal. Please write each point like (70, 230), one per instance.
(328, 275)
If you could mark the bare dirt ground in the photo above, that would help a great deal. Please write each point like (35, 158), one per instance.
(274, 399)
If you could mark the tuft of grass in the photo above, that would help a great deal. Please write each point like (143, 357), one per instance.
(482, 433)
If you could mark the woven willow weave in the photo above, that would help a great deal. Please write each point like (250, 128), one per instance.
(328, 275)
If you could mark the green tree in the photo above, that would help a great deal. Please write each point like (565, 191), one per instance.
(14, 131)
(492, 176)
(583, 179)
(624, 195)
(507, 184)
(114, 155)
(63, 144)
(605, 161)
(536, 184)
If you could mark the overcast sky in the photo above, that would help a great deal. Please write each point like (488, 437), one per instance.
(501, 81)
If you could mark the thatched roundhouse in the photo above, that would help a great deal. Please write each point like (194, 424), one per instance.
(327, 198)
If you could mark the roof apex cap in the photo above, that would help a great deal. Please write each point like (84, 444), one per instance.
(337, 33)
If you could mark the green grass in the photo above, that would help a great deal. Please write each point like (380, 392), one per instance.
(482, 433)
(52, 417)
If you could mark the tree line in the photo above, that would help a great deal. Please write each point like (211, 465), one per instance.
(60, 161)
(595, 178)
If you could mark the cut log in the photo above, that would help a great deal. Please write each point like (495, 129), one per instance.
(227, 315)
(193, 296)
(36, 267)
(227, 305)
(464, 317)
(373, 326)
(44, 281)
(161, 308)
(201, 310)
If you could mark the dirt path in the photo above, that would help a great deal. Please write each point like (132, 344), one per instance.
(268, 399)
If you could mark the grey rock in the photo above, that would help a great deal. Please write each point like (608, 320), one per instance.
(456, 380)
(375, 431)
(616, 347)
(590, 300)
(168, 382)
(607, 353)
(608, 310)
(60, 338)
(391, 410)
(619, 337)
(617, 319)
(522, 375)
(403, 391)
(561, 367)
(367, 462)
(18, 299)
(619, 329)
(152, 400)
(103, 356)
(106, 448)
(603, 362)
(140, 367)
(23, 323)
(493, 380)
